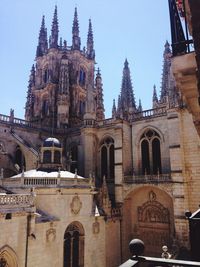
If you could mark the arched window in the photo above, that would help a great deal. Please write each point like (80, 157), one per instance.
(107, 154)
(74, 158)
(74, 246)
(57, 157)
(47, 156)
(8, 257)
(107, 159)
(150, 152)
(20, 159)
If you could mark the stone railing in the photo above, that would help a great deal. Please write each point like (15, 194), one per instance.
(150, 113)
(19, 200)
(53, 182)
(40, 181)
(147, 179)
(105, 122)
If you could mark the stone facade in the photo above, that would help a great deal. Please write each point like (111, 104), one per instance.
(141, 167)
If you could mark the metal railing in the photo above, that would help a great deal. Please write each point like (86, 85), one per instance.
(181, 43)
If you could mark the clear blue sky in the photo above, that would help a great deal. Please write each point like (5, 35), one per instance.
(132, 29)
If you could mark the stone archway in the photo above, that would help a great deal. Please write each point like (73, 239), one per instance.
(148, 215)
(153, 224)
(8, 257)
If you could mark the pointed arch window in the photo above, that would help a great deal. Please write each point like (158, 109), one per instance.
(107, 159)
(151, 152)
(82, 77)
(74, 246)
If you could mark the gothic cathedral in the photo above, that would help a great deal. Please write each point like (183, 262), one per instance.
(75, 187)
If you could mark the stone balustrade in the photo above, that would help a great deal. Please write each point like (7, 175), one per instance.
(19, 200)
(54, 182)
(150, 113)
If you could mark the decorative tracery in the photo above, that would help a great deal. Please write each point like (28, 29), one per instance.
(150, 152)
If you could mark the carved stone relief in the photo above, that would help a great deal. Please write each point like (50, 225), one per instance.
(96, 227)
(76, 205)
(153, 224)
(51, 235)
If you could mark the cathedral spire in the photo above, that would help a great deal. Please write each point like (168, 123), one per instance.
(99, 90)
(42, 40)
(155, 97)
(29, 98)
(166, 73)
(90, 42)
(127, 96)
(76, 41)
(54, 30)
(114, 111)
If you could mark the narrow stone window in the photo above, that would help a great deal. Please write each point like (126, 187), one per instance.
(145, 157)
(82, 77)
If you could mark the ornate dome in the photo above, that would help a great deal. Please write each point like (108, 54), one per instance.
(51, 142)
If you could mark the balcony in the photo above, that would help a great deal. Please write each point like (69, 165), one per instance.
(184, 21)
(148, 179)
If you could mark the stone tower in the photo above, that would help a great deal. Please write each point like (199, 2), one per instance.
(62, 90)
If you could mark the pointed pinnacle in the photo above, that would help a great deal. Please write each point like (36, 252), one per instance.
(75, 28)
(126, 63)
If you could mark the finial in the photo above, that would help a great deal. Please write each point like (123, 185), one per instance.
(76, 41)
(42, 40)
(126, 63)
(90, 42)
(54, 30)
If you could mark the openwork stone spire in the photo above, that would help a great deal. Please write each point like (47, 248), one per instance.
(29, 98)
(99, 89)
(155, 97)
(90, 42)
(166, 73)
(76, 41)
(127, 100)
(54, 30)
(42, 40)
